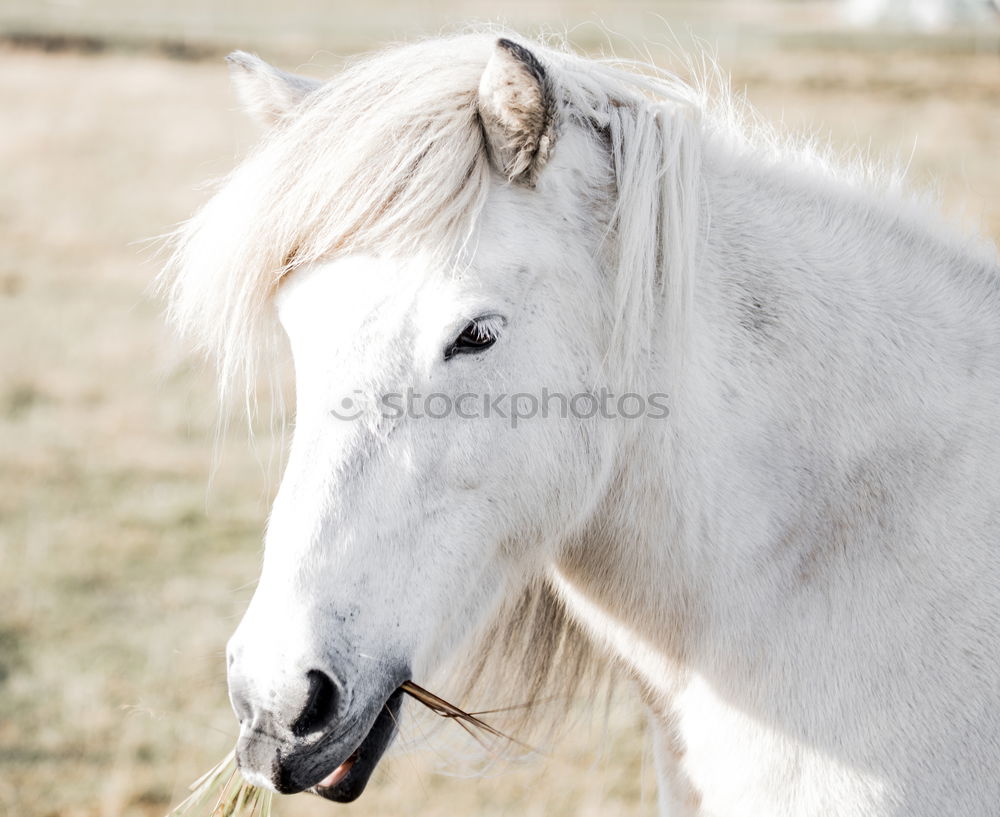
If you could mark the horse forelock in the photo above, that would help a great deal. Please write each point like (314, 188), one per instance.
(388, 157)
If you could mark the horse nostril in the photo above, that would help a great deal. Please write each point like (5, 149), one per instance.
(321, 703)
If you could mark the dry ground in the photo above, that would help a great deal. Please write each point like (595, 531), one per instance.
(121, 573)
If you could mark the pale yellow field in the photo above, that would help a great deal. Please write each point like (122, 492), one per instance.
(122, 570)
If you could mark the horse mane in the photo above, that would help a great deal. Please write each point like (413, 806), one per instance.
(389, 157)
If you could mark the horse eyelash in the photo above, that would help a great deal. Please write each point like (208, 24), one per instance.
(489, 326)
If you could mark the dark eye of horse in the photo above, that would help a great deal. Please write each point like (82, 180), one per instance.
(478, 335)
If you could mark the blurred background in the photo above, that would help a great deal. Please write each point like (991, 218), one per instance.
(130, 535)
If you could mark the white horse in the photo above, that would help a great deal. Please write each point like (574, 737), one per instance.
(799, 564)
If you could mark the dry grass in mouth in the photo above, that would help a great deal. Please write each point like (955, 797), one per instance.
(469, 721)
(234, 797)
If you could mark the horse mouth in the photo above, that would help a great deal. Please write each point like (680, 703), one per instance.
(349, 778)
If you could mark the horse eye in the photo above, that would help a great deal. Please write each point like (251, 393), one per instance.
(478, 335)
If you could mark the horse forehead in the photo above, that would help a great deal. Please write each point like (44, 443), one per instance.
(534, 229)
(365, 314)
(331, 299)
(510, 208)
(360, 294)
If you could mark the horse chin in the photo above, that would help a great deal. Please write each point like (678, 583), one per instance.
(349, 778)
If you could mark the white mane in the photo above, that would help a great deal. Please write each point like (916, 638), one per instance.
(389, 157)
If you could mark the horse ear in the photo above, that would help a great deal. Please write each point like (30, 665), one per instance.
(267, 93)
(518, 112)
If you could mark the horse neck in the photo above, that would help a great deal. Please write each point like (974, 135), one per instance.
(818, 311)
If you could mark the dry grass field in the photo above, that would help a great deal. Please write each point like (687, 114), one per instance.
(129, 540)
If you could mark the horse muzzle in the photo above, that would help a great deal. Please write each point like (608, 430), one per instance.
(317, 733)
